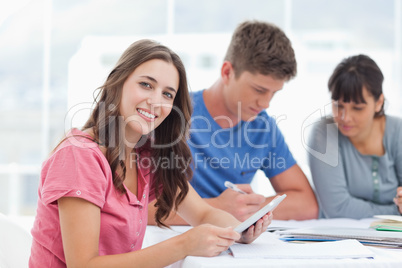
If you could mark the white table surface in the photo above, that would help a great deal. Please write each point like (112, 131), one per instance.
(384, 257)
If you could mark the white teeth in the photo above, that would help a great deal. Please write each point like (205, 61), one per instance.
(151, 116)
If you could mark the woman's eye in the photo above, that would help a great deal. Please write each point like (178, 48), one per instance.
(169, 95)
(145, 84)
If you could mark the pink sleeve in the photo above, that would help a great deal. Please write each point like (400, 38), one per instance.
(75, 172)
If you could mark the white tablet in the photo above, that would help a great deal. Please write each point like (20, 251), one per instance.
(259, 214)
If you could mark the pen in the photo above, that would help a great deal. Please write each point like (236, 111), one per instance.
(230, 185)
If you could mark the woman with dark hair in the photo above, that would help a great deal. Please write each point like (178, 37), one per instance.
(97, 183)
(356, 166)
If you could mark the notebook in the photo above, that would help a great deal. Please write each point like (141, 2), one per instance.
(363, 235)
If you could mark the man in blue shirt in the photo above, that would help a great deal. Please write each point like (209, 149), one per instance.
(232, 136)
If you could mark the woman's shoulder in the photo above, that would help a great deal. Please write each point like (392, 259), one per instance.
(76, 152)
(78, 142)
(393, 127)
(323, 125)
(323, 142)
(393, 132)
(394, 121)
(321, 131)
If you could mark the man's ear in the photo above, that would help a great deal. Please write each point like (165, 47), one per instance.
(227, 71)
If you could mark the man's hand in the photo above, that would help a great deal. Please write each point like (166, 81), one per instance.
(242, 206)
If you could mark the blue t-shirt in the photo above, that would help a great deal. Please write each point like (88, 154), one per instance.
(234, 154)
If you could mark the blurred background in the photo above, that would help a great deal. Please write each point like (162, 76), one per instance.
(54, 54)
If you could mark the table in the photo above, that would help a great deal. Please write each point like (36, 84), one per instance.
(384, 257)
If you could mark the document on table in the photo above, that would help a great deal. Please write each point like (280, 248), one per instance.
(387, 223)
(389, 217)
(367, 236)
(269, 246)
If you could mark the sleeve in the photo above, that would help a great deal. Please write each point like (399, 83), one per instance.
(397, 145)
(279, 155)
(74, 172)
(329, 178)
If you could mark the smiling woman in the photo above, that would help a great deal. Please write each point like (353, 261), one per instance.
(147, 97)
(95, 181)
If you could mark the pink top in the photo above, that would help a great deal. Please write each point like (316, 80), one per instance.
(79, 169)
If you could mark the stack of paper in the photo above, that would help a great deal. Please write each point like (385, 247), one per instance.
(367, 236)
(267, 246)
(387, 223)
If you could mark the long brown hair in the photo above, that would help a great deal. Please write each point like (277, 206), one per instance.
(168, 138)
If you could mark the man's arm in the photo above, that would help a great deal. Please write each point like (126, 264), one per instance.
(300, 203)
(242, 206)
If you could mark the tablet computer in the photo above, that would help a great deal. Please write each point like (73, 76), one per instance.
(259, 214)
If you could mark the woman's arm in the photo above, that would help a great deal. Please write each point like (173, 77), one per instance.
(80, 229)
(397, 146)
(196, 211)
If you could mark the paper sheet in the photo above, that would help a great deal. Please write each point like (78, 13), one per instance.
(389, 217)
(269, 246)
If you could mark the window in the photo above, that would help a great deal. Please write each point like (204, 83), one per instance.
(54, 54)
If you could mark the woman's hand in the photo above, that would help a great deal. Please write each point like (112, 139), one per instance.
(207, 240)
(256, 229)
(398, 199)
